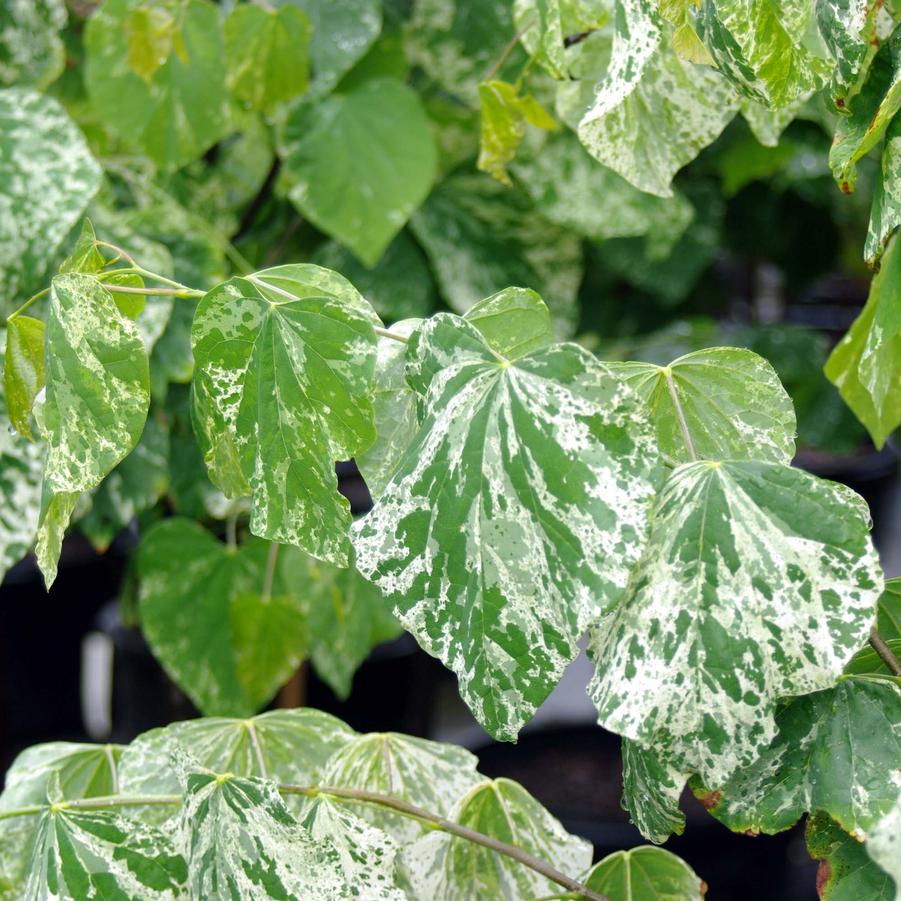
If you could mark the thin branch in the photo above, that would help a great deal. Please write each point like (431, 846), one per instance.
(153, 292)
(572, 39)
(681, 416)
(231, 527)
(269, 575)
(33, 299)
(394, 336)
(506, 52)
(449, 826)
(880, 646)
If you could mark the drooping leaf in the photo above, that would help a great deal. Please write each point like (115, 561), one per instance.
(47, 178)
(723, 403)
(373, 147)
(31, 50)
(760, 583)
(180, 110)
(760, 47)
(23, 370)
(645, 874)
(836, 751)
(846, 872)
(101, 854)
(515, 515)
(481, 237)
(56, 510)
(205, 614)
(267, 53)
(282, 388)
(441, 865)
(866, 364)
(870, 113)
(885, 211)
(288, 746)
(653, 112)
(429, 774)
(652, 786)
(572, 190)
(241, 842)
(20, 494)
(395, 405)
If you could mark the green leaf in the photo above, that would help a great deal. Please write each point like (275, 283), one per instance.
(429, 774)
(206, 615)
(481, 237)
(761, 48)
(514, 322)
(282, 388)
(181, 109)
(23, 370)
(846, 872)
(514, 517)
(32, 53)
(866, 364)
(85, 256)
(572, 190)
(882, 845)
(645, 874)
(653, 112)
(652, 786)
(888, 624)
(288, 746)
(134, 486)
(56, 511)
(267, 51)
(373, 147)
(760, 582)
(444, 866)
(245, 844)
(343, 31)
(836, 751)
(885, 212)
(396, 410)
(870, 113)
(400, 286)
(505, 113)
(151, 33)
(92, 854)
(723, 403)
(47, 178)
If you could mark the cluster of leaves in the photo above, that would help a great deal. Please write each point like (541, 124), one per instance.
(295, 804)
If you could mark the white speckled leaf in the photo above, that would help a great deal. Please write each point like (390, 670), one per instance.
(654, 112)
(284, 362)
(56, 511)
(23, 370)
(366, 854)
(515, 517)
(394, 405)
(885, 210)
(288, 746)
(430, 774)
(652, 787)
(760, 582)
(453, 869)
(645, 874)
(31, 50)
(241, 842)
(759, 45)
(884, 845)
(731, 402)
(182, 108)
(81, 854)
(837, 751)
(481, 237)
(47, 178)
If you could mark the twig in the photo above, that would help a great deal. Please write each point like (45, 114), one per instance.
(506, 52)
(880, 646)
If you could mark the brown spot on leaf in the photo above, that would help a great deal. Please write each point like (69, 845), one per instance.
(709, 800)
(703, 887)
(846, 188)
(824, 872)
(840, 102)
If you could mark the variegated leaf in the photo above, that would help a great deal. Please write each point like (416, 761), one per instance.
(884, 845)
(23, 370)
(723, 403)
(453, 869)
(837, 751)
(429, 774)
(652, 786)
(241, 842)
(31, 48)
(515, 517)
(47, 178)
(645, 874)
(760, 582)
(885, 210)
(282, 388)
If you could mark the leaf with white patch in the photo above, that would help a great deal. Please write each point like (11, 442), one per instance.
(32, 53)
(884, 845)
(282, 389)
(82, 854)
(837, 751)
(760, 582)
(453, 869)
(866, 364)
(47, 178)
(515, 516)
(241, 842)
(722, 403)
(652, 787)
(645, 874)
(429, 774)
(23, 370)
